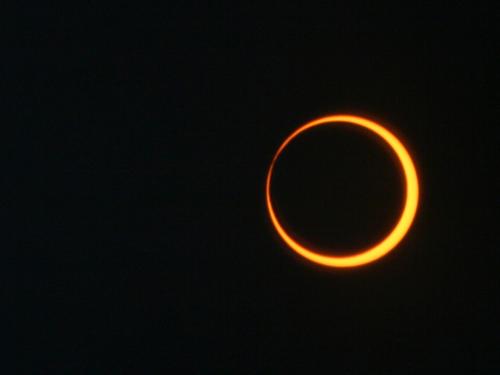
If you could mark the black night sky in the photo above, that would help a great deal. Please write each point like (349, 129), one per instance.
(144, 139)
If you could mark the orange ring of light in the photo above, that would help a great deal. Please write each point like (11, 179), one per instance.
(400, 229)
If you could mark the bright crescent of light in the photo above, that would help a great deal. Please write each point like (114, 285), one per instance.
(405, 220)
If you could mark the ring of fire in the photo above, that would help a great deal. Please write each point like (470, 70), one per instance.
(399, 230)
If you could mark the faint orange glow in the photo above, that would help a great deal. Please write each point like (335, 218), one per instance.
(400, 229)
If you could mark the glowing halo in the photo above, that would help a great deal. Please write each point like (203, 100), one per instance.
(405, 220)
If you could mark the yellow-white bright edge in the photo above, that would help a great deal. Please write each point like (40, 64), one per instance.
(405, 220)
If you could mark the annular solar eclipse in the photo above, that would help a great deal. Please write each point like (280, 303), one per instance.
(391, 240)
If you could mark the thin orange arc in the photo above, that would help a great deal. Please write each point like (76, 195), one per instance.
(407, 214)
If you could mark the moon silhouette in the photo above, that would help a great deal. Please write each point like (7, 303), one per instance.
(391, 240)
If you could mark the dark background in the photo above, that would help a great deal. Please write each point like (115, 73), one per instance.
(144, 138)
